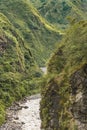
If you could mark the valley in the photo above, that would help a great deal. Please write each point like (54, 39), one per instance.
(43, 64)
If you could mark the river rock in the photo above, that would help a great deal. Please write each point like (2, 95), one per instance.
(16, 118)
(26, 107)
(23, 119)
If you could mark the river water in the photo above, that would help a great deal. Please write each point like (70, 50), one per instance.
(44, 69)
(24, 115)
(30, 116)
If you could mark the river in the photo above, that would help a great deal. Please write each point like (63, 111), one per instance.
(24, 115)
(44, 69)
(30, 116)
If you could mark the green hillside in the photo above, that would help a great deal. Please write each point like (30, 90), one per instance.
(57, 11)
(26, 39)
(38, 34)
(17, 66)
(61, 105)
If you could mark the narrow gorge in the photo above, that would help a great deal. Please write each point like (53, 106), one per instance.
(35, 34)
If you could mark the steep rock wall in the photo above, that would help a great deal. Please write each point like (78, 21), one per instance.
(79, 95)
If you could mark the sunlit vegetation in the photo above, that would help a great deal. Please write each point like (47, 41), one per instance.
(70, 57)
(38, 34)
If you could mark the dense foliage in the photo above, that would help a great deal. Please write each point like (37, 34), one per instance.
(38, 34)
(26, 39)
(17, 66)
(28, 35)
(70, 57)
(58, 12)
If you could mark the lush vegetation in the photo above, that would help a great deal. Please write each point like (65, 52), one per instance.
(17, 67)
(28, 35)
(38, 34)
(59, 11)
(26, 39)
(70, 57)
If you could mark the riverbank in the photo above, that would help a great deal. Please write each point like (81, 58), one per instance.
(24, 115)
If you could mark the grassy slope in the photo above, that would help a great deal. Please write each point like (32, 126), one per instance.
(39, 35)
(56, 12)
(70, 56)
(17, 66)
(25, 38)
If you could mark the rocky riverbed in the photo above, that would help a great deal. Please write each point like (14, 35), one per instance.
(24, 115)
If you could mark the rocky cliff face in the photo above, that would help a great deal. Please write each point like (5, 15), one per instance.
(64, 92)
(79, 94)
(50, 107)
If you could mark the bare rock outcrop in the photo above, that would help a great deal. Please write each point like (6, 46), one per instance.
(79, 94)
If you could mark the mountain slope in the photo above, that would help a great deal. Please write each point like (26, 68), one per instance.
(39, 35)
(64, 96)
(56, 12)
(17, 66)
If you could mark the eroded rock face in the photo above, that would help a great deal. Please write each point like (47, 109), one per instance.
(50, 107)
(79, 94)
